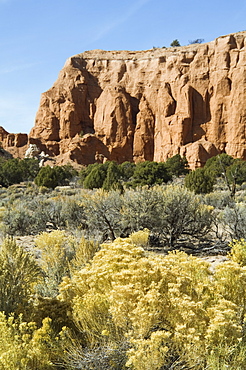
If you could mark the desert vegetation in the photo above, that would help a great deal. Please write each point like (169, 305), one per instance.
(109, 273)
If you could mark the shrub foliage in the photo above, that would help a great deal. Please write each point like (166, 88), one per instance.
(95, 297)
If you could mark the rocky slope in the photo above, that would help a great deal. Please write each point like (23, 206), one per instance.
(147, 105)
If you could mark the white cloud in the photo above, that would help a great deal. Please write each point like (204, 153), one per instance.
(14, 68)
(120, 20)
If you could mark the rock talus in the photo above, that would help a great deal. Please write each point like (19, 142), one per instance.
(148, 105)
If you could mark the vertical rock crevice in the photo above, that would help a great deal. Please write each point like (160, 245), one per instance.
(148, 105)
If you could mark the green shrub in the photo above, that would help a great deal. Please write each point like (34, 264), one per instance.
(30, 217)
(127, 170)
(73, 214)
(200, 181)
(14, 171)
(232, 171)
(183, 214)
(25, 217)
(46, 178)
(233, 219)
(64, 174)
(142, 209)
(10, 172)
(51, 177)
(103, 214)
(177, 166)
(236, 172)
(113, 176)
(96, 177)
(150, 173)
(218, 164)
(171, 212)
(218, 199)
(65, 212)
(29, 168)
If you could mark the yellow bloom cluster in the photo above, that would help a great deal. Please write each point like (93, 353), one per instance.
(172, 309)
(24, 346)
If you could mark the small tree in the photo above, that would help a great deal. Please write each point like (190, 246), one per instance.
(183, 215)
(127, 170)
(46, 177)
(85, 172)
(96, 177)
(233, 171)
(177, 165)
(52, 177)
(150, 173)
(10, 172)
(103, 213)
(142, 208)
(64, 174)
(235, 174)
(234, 220)
(29, 168)
(112, 180)
(200, 181)
(175, 43)
(196, 41)
(219, 163)
(13, 171)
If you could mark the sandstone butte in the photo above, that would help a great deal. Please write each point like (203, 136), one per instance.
(145, 105)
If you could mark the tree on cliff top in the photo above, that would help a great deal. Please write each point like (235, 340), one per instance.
(196, 41)
(175, 43)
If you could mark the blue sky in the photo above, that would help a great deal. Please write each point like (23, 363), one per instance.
(37, 36)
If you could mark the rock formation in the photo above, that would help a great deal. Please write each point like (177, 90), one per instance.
(15, 144)
(148, 105)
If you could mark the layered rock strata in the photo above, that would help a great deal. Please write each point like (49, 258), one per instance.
(15, 144)
(147, 105)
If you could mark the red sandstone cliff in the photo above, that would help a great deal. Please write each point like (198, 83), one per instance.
(15, 144)
(148, 105)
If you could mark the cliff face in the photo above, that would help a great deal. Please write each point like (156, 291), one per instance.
(15, 144)
(148, 105)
